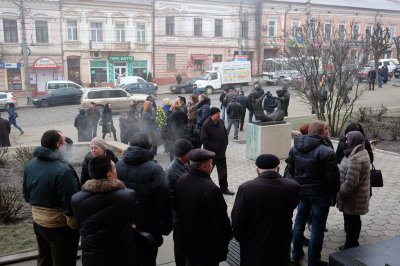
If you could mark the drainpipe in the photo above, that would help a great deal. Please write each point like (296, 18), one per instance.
(153, 17)
(62, 38)
(284, 25)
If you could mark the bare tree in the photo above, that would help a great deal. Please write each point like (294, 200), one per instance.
(380, 42)
(328, 72)
(397, 44)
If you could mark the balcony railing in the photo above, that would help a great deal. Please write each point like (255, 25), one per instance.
(110, 46)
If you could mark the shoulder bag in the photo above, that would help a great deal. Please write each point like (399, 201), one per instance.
(376, 179)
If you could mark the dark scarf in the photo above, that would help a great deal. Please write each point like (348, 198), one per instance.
(354, 138)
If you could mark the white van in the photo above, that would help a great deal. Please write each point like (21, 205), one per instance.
(389, 62)
(57, 84)
(130, 79)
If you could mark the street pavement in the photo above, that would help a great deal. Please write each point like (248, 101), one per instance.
(381, 222)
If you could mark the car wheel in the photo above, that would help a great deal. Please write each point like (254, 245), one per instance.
(182, 90)
(100, 108)
(77, 100)
(44, 103)
(139, 106)
(6, 106)
(209, 90)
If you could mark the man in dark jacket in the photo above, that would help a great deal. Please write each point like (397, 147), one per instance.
(269, 103)
(203, 109)
(371, 78)
(312, 163)
(233, 113)
(266, 203)
(82, 124)
(243, 101)
(49, 183)
(105, 211)
(224, 103)
(93, 116)
(5, 130)
(202, 212)
(141, 173)
(214, 138)
(174, 170)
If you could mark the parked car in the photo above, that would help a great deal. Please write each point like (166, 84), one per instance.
(396, 71)
(6, 98)
(57, 84)
(68, 95)
(143, 88)
(133, 79)
(363, 73)
(186, 87)
(119, 98)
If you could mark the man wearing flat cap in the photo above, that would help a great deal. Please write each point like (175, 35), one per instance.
(262, 215)
(214, 138)
(202, 212)
(178, 166)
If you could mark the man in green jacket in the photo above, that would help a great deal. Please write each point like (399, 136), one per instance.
(49, 183)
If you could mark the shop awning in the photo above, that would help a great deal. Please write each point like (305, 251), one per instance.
(199, 57)
(45, 63)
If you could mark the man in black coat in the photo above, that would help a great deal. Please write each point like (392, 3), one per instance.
(233, 113)
(105, 211)
(262, 215)
(244, 102)
(202, 212)
(214, 138)
(141, 173)
(93, 115)
(312, 163)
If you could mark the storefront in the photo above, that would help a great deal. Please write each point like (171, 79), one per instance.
(74, 69)
(45, 69)
(119, 66)
(139, 68)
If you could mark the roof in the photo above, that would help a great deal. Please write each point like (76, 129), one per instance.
(362, 4)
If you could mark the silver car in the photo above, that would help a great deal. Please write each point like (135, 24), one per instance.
(6, 98)
(118, 98)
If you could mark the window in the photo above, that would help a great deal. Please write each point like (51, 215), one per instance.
(368, 33)
(198, 27)
(198, 64)
(120, 31)
(271, 28)
(10, 30)
(328, 31)
(244, 29)
(72, 30)
(342, 31)
(218, 27)
(170, 62)
(96, 29)
(355, 32)
(141, 33)
(41, 32)
(392, 31)
(170, 26)
(295, 28)
(98, 71)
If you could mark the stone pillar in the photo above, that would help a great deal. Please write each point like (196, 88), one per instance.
(273, 139)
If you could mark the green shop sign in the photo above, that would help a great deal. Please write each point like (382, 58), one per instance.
(120, 58)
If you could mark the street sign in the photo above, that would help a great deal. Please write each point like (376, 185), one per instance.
(120, 58)
(10, 65)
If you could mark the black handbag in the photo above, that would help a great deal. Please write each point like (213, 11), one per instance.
(376, 179)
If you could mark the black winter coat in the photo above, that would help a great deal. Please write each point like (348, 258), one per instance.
(312, 163)
(105, 210)
(202, 211)
(243, 101)
(203, 111)
(141, 173)
(176, 127)
(233, 110)
(85, 164)
(214, 137)
(5, 129)
(82, 124)
(262, 219)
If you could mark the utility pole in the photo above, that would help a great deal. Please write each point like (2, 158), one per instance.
(240, 28)
(62, 37)
(25, 53)
(153, 38)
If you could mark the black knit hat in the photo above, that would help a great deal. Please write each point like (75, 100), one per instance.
(182, 146)
(214, 110)
(267, 161)
(200, 155)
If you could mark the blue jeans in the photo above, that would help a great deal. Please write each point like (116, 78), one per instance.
(235, 123)
(223, 112)
(380, 81)
(251, 116)
(14, 123)
(319, 207)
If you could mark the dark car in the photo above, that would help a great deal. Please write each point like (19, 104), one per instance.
(141, 88)
(68, 95)
(186, 87)
(396, 71)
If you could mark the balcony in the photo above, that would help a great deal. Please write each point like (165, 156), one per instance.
(110, 46)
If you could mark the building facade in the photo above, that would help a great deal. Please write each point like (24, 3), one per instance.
(97, 41)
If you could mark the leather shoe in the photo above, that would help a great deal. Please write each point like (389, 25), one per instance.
(295, 263)
(227, 192)
(305, 241)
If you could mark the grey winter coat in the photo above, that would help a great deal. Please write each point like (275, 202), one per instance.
(354, 193)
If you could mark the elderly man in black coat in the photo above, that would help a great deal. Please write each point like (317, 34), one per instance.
(202, 211)
(262, 215)
(140, 172)
(105, 211)
(214, 138)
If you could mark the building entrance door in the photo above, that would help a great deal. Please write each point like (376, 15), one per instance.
(119, 70)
